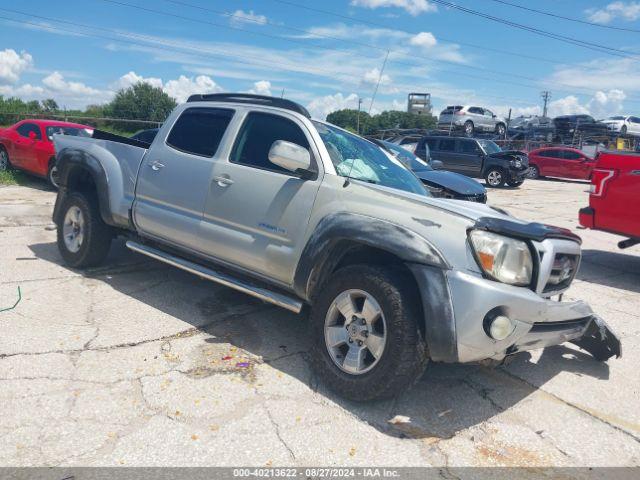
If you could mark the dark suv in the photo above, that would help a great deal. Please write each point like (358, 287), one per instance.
(477, 158)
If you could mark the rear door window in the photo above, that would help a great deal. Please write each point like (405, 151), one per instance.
(257, 135)
(433, 144)
(26, 128)
(199, 131)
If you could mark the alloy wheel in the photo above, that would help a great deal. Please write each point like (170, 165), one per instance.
(355, 331)
(73, 229)
(494, 178)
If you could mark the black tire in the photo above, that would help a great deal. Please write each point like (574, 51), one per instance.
(534, 172)
(495, 177)
(501, 129)
(623, 130)
(5, 163)
(52, 174)
(469, 128)
(404, 357)
(97, 235)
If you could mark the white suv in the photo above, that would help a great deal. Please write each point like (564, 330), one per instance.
(470, 119)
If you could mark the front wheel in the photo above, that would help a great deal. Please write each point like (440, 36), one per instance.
(83, 238)
(495, 178)
(366, 340)
(534, 172)
(501, 129)
(623, 130)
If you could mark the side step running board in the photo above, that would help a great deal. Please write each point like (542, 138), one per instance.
(227, 280)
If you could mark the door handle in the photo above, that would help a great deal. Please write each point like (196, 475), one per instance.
(223, 181)
(156, 165)
(635, 172)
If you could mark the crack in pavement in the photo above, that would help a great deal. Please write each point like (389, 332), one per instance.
(569, 404)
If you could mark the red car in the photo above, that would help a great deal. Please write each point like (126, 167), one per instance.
(563, 162)
(614, 202)
(27, 146)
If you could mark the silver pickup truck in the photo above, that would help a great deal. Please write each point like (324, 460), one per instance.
(250, 192)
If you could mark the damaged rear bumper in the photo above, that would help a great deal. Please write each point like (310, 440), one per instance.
(455, 330)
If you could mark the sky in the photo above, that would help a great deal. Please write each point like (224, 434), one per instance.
(327, 55)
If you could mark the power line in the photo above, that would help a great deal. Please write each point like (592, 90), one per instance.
(197, 54)
(440, 38)
(562, 38)
(411, 64)
(562, 17)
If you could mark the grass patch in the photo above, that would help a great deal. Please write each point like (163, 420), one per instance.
(11, 177)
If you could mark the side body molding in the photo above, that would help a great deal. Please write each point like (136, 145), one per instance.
(338, 232)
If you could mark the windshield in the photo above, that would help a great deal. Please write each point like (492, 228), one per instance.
(357, 158)
(616, 118)
(73, 131)
(407, 158)
(489, 147)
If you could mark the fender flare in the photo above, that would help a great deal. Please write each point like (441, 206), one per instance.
(70, 161)
(319, 255)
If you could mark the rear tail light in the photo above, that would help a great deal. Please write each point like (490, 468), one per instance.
(599, 180)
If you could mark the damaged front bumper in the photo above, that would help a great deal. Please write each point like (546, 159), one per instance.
(456, 331)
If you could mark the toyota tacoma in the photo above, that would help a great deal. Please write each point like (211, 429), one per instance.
(250, 192)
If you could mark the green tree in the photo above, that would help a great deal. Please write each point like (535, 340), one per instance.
(369, 125)
(348, 119)
(49, 105)
(141, 102)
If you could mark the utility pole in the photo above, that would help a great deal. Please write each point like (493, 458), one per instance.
(359, 106)
(546, 96)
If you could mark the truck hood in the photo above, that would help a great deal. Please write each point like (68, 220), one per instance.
(451, 181)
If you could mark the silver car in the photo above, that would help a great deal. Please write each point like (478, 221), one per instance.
(471, 119)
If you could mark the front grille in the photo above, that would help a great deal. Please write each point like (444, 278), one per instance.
(563, 269)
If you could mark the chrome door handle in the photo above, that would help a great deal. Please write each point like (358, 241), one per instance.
(156, 166)
(635, 172)
(223, 181)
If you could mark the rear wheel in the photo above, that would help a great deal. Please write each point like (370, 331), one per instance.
(469, 128)
(366, 340)
(83, 238)
(5, 164)
(495, 177)
(52, 174)
(534, 172)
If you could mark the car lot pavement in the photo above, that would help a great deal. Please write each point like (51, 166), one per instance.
(137, 363)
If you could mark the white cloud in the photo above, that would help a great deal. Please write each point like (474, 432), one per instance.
(622, 74)
(57, 83)
(12, 64)
(424, 40)
(604, 104)
(628, 11)
(414, 7)
(323, 106)
(371, 77)
(183, 87)
(240, 17)
(263, 87)
(129, 79)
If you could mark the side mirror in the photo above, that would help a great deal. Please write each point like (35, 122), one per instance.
(290, 156)
(32, 135)
(437, 164)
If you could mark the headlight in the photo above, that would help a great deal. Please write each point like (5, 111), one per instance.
(517, 163)
(502, 258)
